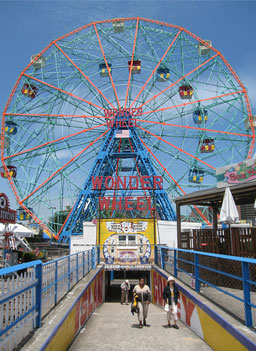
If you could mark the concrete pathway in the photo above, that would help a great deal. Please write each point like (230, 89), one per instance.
(113, 327)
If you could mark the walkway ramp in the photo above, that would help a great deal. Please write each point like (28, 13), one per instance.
(113, 327)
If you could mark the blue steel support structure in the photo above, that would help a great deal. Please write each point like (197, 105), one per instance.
(136, 162)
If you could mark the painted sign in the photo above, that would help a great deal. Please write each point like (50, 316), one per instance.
(87, 302)
(127, 203)
(202, 321)
(126, 242)
(123, 112)
(6, 214)
(237, 173)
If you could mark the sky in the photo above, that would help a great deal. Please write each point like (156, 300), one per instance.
(26, 27)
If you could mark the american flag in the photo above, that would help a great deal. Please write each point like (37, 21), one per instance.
(123, 133)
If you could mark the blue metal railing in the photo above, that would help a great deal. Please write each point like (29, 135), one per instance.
(29, 291)
(211, 271)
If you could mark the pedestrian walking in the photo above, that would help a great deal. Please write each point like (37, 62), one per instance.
(144, 298)
(171, 295)
(125, 287)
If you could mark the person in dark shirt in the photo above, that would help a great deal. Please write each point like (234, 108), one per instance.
(171, 295)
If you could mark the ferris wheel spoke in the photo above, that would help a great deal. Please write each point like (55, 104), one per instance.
(53, 142)
(63, 91)
(154, 70)
(65, 165)
(84, 75)
(177, 184)
(193, 128)
(130, 72)
(110, 75)
(179, 80)
(176, 147)
(192, 102)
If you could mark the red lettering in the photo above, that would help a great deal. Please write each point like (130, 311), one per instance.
(131, 186)
(232, 176)
(84, 308)
(108, 113)
(155, 287)
(139, 113)
(135, 123)
(127, 203)
(110, 123)
(119, 181)
(145, 182)
(139, 203)
(149, 201)
(189, 308)
(134, 110)
(158, 182)
(97, 182)
(130, 123)
(119, 203)
(104, 202)
(124, 124)
(111, 181)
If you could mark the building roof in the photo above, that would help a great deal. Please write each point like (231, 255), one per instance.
(243, 194)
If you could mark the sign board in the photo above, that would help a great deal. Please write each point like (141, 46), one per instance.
(126, 242)
(237, 173)
(6, 214)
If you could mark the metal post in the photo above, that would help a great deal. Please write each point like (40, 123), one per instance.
(247, 294)
(88, 260)
(156, 255)
(197, 281)
(39, 276)
(98, 248)
(93, 258)
(56, 283)
(175, 264)
(68, 272)
(83, 263)
(162, 258)
(77, 268)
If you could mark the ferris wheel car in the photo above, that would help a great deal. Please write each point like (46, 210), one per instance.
(203, 49)
(196, 175)
(135, 67)
(104, 70)
(29, 90)
(118, 26)
(163, 74)
(39, 63)
(12, 170)
(22, 215)
(207, 146)
(10, 128)
(186, 91)
(200, 116)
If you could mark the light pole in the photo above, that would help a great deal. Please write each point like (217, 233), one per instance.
(52, 208)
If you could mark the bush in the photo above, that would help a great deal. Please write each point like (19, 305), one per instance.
(28, 256)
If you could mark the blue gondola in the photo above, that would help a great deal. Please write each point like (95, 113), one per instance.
(104, 70)
(22, 215)
(196, 175)
(163, 74)
(200, 116)
(10, 128)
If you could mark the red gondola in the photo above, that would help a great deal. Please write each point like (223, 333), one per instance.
(207, 146)
(11, 169)
(136, 66)
(186, 91)
(29, 90)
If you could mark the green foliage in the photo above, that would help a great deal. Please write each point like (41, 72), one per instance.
(28, 256)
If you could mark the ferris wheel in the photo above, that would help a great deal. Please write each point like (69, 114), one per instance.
(192, 112)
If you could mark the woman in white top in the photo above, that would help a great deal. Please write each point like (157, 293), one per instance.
(144, 299)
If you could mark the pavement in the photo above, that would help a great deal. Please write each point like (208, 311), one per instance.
(113, 327)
